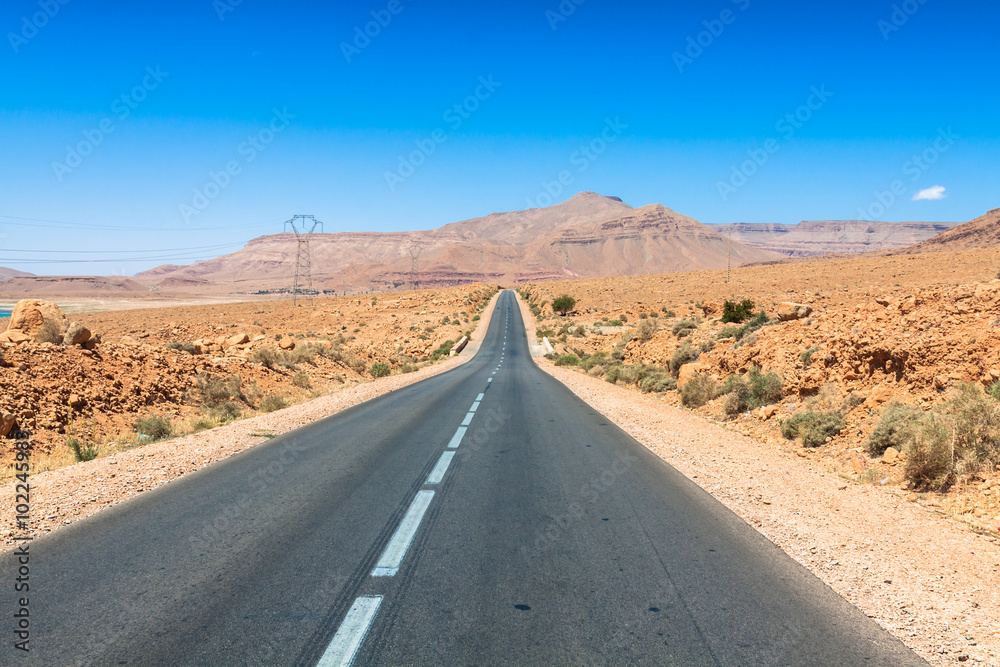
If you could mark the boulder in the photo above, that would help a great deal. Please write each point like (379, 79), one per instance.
(128, 340)
(8, 423)
(287, 343)
(76, 401)
(76, 334)
(891, 456)
(238, 339)
(788, 310)
(711, 308)
(30, 315)
(14, 336)
(688, 371)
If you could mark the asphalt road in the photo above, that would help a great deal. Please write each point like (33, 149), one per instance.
(545, 536)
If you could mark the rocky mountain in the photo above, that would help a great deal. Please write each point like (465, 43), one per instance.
(983, 232)
(589, 235)
(825, 237)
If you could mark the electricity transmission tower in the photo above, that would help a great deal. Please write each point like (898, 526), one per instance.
(303, 226)
(415, 267)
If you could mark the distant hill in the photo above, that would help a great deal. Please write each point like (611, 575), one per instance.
(29, 286)
(6, 274)
(826, 237)
(983, 232)
(589, 235)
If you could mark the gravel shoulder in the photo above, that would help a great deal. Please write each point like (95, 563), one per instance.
(928, 580)
(66, 495)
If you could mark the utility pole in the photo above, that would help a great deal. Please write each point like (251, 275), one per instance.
(415, 267)
(303, 226)
(729, 271)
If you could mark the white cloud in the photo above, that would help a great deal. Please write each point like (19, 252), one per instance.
(935, 192)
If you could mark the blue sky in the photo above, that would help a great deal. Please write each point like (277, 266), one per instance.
(167, 134)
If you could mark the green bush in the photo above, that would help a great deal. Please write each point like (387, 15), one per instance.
(181, 347)
(225, 411)
(896, 428)
(563, 304)
(698, 391)
(645, 330)
(82, 450)
(595, 359)
(629, 374)
(930, 459)
(765, 388)
(580, 331)
(684, 354)
(813, 428)
(273, 402)
(613, 373)
(380, 370)
(994, 391)
(155, 427)
(203, 424)
(668, 313)
(733, 311)
(615, 323)
(683, 328)
(407, 368)
(973, 419)
(807, 354)
(568, 360)
(657, 383)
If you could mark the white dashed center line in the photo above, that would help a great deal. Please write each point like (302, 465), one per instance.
(441, 468)
(475, 406)
(456, 439)
(468, 419)
(352, 631)
(388, 564)
(480, 397)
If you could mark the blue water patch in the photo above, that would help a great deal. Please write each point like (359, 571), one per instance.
(4, 313)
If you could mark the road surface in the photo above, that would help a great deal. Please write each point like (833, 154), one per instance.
(485, 516)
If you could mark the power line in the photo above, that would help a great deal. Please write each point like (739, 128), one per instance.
(62, 224)
(104, 252)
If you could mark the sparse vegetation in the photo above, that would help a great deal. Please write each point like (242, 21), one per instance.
(82, 450)
(50, 332)
(646, 329)
(736, 312)
(301, 380)
(754, 390)
(657, 382)
(155, 427)
(380, 370)
(272, 403)
(806, 356)
(813, 428)
(568, 360)
(684, 354)
(563, 304)
(895, 429)
(698, 391)
(683, 328)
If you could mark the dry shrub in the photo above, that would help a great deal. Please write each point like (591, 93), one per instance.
(698, 391)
